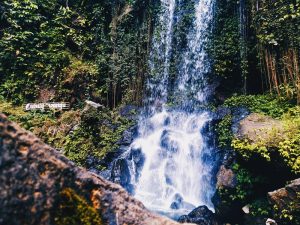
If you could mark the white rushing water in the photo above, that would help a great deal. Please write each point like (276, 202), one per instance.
(160, 55)
(176, 175)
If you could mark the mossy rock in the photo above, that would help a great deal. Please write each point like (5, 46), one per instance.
(74, 209)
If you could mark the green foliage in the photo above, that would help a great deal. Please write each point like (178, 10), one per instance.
(260, 208)
(247, 150)
(96, 136)
(245, 183)
(73, 209)
(78, 146)
(10, 110)
(278, 23)
(224, 46)
(244, 191)
(28, 120)
(79, 135)
(290, 215)
(289, 151)
(289, 147)
(284, 142)
(224, 132)
(25, 59)
(79, 81)
(62, 45)
(265, 104)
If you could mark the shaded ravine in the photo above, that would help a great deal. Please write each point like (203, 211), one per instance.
(171, 160)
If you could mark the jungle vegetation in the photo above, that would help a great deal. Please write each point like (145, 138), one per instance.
(60, 50)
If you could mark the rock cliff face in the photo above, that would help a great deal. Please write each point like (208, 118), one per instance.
(39, 186)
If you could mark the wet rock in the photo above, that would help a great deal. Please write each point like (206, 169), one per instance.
(201, 216)
(33, 176)
(179, 203)
(176, 204)
(120, 172)
(229, 158)
(238, 113)
(137, 156)
(254, 220)
(91, 161)
(221, 112)
(286, 197)
(226, 178)
(227, 212)
(128, 136)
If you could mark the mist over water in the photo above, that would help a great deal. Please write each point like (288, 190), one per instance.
(176, 175)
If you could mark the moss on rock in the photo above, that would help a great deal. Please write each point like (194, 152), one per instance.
(74, 209)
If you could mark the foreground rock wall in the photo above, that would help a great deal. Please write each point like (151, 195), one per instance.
(33, 177)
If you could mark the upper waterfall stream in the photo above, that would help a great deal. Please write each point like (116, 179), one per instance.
(176, 175)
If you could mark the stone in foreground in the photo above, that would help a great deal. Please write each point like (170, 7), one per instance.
(40, 186)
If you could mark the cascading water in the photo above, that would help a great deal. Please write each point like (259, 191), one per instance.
(176, 175)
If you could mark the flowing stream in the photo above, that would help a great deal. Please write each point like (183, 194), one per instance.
(176, 175)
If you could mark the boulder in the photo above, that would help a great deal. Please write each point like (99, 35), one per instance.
(201, 216)
(226, 178)
(35, 178)
(256, 127)
(287, 199)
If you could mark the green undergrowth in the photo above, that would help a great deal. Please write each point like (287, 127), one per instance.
(28, 120)
(77, 133)
(265, 104)
(246, 183)
(96, 136)
(74, 209)
(284, 141)
(224, 132)
(258, 159)
(291, 213)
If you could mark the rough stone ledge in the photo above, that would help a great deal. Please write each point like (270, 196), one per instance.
(32, 175)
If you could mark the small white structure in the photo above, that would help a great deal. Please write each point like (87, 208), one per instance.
(45, 106)
(93, 104)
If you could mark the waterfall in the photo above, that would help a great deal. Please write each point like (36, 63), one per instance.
(159, 62)
(176, 174)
